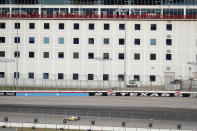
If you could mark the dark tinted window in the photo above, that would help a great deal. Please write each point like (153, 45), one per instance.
(121, 41)
(16, 75)
(2, 74)
(91, 26)
(45, 54)
(153, 27)
(60, 54)
(2, 53)
(46, 26)
(75, 76)
(31, 25)
(61, 26)
(90, 55)
(120, 77)
(152, 77)
(105, 77)
(136, 77)
(168, 56)
(16, 39)
(90, 40)
(60, 76)
(31, 40)
(75, 40)
(2, 25)
(152, 56)
(121, 56)
(106, 27)
(2, 39)
(136, 56)
(105, 55)
(31, 75)
(17, 54)
(121, 26)
(31, 54)
(90, 76)
(169, 27)
(137, 41)
(168, 41)
(45, 75)
(75, 55)
(17, 25)
(76, 26)
(137, 26)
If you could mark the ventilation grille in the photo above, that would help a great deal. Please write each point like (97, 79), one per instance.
(168, 36)
(168, 68)
(168, 51)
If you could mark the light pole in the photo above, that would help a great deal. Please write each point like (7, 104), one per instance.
(6, 60)
(103, 60)
(191, 63)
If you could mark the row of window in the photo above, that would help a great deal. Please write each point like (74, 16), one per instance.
(91, 26)
(75, 76)
(106, 41)
(90, 55)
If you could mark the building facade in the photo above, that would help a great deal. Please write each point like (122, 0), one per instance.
(116, 40)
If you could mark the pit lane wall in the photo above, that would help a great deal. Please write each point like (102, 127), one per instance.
(100, 93)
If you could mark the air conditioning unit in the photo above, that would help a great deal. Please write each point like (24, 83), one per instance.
(168, 36)
(168, 68)
(168, 51)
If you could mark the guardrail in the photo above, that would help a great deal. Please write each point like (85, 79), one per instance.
(96, 16)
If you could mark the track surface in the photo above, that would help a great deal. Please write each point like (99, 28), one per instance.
(158, 108)
(166, 112)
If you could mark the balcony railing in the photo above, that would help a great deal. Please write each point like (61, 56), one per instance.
(95, 16)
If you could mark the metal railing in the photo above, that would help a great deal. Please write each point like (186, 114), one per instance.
(96, 16)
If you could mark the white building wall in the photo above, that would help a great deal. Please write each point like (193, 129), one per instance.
(183, 48)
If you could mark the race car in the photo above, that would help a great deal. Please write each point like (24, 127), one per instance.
(72, 118)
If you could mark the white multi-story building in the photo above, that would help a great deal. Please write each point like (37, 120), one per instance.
(97, 40)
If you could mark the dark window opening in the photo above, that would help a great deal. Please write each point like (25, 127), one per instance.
(152, 77)
(60, 76)
(31, 75)
(121, 41)
(121, 56)
(121, 26)
(76, 26)
(137, 27)
(46, 26)
(61, 26)
(90, 76)
(106, 27)
(17, 54)
(17, 25)
(153, 27)
(169, 27)
(105, 77)
(31, 25)
(90, 55)
(2, 39)
(61, 55)
(2, 25)
(75, 76)
(91, 26)
(152, 56)
(75, 40)
(168, 56)
(31, 54)
(137, 41)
